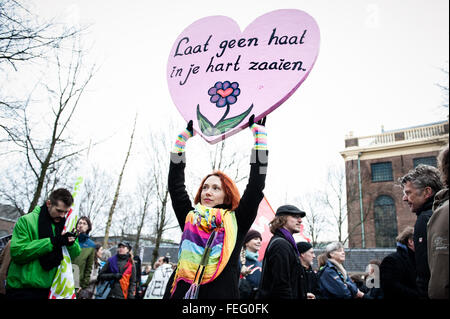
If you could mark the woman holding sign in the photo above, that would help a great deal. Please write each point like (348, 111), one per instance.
(214, 229)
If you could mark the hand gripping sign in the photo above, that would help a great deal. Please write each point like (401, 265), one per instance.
(63, 284)
(219, 76)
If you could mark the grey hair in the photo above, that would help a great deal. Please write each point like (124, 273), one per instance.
(106, 254)
(333, 247)
(423, 176)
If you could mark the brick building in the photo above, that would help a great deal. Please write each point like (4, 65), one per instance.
(376, 212)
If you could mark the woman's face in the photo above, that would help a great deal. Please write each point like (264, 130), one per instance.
(82, 226)
(100, 252)
(212, 192)
(123, 250)
(254, 245)
(338, 255)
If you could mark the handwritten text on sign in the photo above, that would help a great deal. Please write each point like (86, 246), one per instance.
(218, 76)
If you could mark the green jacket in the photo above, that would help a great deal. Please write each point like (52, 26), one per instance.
(84, 262)
(25, 270)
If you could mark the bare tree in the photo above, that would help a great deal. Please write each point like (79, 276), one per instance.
(317, 221)
(145, 193)
(226, 159)
(117, 192)
(45, 150)
(96, 196)
(23, 37)
(163, 217)
(444, 87)
(333, 197)
(24, 40)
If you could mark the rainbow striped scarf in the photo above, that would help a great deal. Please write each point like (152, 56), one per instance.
(208, 239)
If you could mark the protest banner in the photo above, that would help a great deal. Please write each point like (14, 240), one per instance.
(261, 224)
(218, 75)
(63, 284)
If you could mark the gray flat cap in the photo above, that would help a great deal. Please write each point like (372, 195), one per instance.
(289, 210)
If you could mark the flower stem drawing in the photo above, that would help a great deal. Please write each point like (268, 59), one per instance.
(223, 94)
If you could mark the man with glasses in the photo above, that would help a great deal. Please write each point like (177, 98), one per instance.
(36, 248)
(419, 187)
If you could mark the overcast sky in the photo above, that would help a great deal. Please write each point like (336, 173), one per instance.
(378, 65)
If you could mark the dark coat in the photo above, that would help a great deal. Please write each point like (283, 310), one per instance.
(248, 286)
(106, 274)
(333, 285)
(398, 275)
(302, 283)
(312, 282)
(225, 286)
(420, 246)
(281, 270)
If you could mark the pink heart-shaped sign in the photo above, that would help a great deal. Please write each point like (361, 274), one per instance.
(219, 76)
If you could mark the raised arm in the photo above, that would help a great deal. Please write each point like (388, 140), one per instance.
(180, 199)
(253, 194)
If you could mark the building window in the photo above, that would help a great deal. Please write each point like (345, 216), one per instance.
(430, 160)
(381, 172)
(385, 218)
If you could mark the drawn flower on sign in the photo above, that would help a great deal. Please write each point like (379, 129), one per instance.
(223, 94)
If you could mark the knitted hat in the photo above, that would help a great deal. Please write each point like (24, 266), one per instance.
(303, 246)
(252, 234)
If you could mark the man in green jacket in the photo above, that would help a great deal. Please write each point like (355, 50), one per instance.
(36, 248)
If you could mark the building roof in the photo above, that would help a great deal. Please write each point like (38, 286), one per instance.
(412, 140)
(415, 126)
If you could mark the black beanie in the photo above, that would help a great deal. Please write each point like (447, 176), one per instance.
(303, 246)
(252, 234)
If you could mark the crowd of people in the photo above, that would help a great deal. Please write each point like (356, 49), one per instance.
(219, 254)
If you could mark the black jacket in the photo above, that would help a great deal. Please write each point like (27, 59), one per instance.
(420, 246)
(281, 271)
(106, 274)
(398, 275)
(302, 283)
(225, 286)
(312, 282)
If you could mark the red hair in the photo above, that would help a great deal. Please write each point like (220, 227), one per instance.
(232, 196)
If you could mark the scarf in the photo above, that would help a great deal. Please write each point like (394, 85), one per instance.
(340, 268)
(288, 236)
(53, 258)
(208, 240)
(126, 275)
(85, 241)
(251, 255)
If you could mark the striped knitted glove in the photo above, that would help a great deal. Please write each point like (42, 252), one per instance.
(259, 133)
(182, 138)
